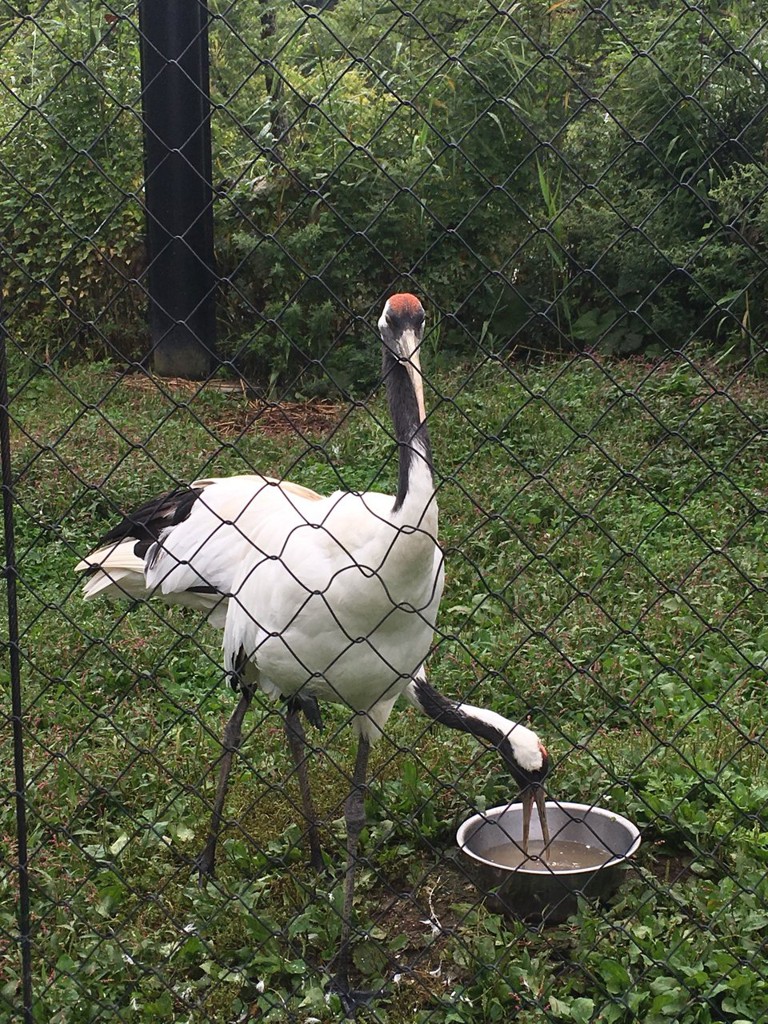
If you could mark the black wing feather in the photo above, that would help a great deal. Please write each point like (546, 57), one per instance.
(146, 522)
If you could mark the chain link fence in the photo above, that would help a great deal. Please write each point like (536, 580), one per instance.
(577, 192)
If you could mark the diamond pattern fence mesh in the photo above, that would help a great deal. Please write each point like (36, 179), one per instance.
(577, 192)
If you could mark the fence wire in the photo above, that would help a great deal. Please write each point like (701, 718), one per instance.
(578, 194)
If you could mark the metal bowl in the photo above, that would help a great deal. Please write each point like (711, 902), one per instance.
(547, 895)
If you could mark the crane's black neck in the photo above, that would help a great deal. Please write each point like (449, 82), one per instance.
(414, 448)
(448, 712)
(458, 716)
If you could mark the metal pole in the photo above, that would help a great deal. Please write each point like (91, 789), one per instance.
(179, 196)
(17, 707)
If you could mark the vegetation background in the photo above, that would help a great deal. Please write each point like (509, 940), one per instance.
(548, 175)
(578, 191)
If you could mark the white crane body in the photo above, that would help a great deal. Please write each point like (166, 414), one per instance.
(333, 597)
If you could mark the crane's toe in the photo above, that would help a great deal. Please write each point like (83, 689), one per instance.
(353, 999)
(205, 863)
(308, 704)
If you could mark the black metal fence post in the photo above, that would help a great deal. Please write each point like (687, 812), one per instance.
(17, 708)
(177, 158)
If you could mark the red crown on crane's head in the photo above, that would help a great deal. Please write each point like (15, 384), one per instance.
(404, 305)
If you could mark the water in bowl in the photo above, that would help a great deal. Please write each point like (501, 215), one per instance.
(560, 855)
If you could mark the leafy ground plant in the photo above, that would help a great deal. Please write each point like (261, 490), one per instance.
(606, 545)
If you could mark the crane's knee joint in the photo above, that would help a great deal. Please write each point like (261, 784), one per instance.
(354, 812)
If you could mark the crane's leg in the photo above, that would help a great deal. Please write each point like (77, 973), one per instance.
(297, 741)
(354, 814)
(230, 742)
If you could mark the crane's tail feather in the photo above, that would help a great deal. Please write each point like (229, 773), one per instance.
(114, 571)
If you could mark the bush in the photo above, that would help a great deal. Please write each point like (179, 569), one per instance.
(70, 195)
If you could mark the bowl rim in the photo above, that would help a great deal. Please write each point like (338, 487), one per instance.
(568, 805)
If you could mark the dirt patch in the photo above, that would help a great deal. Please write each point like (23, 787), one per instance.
(276, 419)
(317, 416)
(671, 870)
(427, 912)
(421, 918)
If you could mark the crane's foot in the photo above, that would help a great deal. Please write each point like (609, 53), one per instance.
(316, 861)
(353, 999)
(307, 704)
(205, 863)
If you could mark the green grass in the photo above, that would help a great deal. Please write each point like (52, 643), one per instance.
(607, 552)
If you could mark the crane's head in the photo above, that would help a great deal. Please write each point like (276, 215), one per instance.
(401, 326)
(528, 761)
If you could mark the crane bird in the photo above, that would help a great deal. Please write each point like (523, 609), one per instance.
(332, 598)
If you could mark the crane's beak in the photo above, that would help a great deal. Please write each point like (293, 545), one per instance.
(534, 792)
(409, 349)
